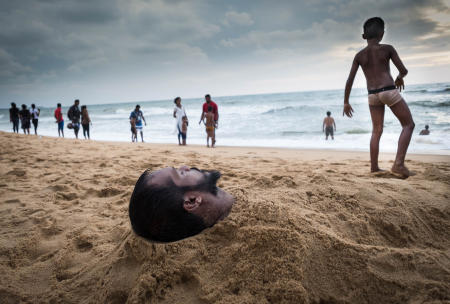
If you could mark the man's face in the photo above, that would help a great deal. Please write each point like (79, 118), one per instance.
(208, 99)
(77, 103)
(137, 109)
(216, 202)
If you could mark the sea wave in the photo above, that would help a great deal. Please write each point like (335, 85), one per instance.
(357, 131)
(430, 104)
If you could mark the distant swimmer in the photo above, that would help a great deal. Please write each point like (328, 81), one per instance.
(59, 120)
(425, 131)
(327, 127)
(14, 117)
(210, 126)
(138, 117)
(25, 118)
(171, 204)
(35, 117)
(74, 115)
(383, 90)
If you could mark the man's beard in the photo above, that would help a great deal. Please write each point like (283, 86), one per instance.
(209, 184)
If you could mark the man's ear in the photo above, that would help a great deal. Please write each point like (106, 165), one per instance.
(192, 201)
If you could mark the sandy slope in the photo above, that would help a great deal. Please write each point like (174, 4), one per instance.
(308, 226)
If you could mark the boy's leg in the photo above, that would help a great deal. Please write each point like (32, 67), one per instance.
(142, 136)
(377, 114)
(401, 111)
(213, 138)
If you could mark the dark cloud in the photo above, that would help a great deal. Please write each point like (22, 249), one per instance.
(51, 43)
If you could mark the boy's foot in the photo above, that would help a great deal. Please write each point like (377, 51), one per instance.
(400, 171)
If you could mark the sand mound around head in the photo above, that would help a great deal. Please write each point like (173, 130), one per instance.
(300, 232)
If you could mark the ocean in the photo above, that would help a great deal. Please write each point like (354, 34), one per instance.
(289, 120)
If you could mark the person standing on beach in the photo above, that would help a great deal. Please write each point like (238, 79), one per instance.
(178, 113)
(74, 115)
(14, 117)
(85, 121)
(138, 117)
(383, 90)
(215, 109)
(59, 120)
(210, 125)
(35, 117)
(25, 117)
(327, 126)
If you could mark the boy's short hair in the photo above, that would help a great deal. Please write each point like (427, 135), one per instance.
(33, 105)
(328, 113)
(58, 105)
(207, 96)
(209, 109)
(373, 28)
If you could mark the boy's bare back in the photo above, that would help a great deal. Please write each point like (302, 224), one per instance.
(374, 61)
(328, 121)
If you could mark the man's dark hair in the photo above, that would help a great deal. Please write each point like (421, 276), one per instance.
(13, 104)
(76, 100)
(328, 113)
(157, 213)
(58, 105)
(176, 98)
(138, 106)
(207, 96)
(427, 126)
(373, 28)
(33, 106)
(24, 106)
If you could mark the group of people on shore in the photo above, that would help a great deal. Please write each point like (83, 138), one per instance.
(25, 117)
(209, 117)
(76, 116)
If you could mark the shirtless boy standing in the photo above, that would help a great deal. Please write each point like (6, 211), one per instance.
(327, 127)
(210, 127)
(383, 90)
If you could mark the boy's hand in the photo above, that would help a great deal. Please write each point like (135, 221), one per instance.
(399, 84)
(348, 110)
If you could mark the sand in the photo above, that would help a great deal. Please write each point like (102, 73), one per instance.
(307, 227)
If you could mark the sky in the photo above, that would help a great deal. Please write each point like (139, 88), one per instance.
(110, 51)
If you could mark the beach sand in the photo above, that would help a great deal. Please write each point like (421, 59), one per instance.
(307, 227)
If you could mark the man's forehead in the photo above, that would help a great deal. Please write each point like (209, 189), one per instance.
(159, 177)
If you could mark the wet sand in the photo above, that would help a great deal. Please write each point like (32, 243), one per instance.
(308, 227)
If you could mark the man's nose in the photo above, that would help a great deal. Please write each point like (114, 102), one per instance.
(184, 168)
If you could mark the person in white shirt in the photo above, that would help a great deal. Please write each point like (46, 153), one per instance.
(178, 113)
(35, 117)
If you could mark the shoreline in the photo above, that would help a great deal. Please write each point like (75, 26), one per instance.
(383, 155)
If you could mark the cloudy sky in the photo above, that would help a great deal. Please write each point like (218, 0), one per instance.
(127, 50)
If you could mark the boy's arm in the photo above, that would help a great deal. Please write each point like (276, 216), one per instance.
(400, 67)
(348, 110)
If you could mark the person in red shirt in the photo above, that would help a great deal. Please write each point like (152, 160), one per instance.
(59, 120)
(215, 110)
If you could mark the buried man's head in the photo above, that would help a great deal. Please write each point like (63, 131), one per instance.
(171, 204)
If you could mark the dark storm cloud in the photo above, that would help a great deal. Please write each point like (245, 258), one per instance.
(64, 41)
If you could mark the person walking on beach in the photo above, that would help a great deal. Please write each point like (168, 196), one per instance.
(133, 129)
(383, 90)
(138, 117)
(215, 109)
(178, 113)
(85, 121)
(25, 117)
(35, 117)
(425, 131)
(210, 126)
(327, 127)
(74, 115)
(59, 120)
(14, 117)
(184, 127)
